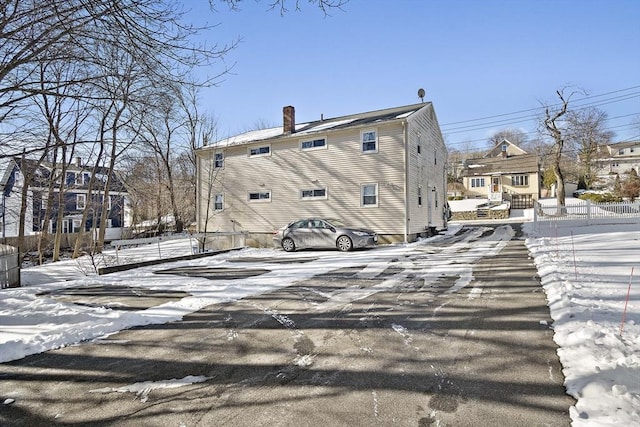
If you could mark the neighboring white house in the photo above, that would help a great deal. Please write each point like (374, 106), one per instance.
(622, 157)
(383, 170)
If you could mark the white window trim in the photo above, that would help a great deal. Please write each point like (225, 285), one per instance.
(222, 161)
(377, 141)
(76, 223)
(323, 147)
(215, 196)
(368, 184)
(81, 201)
(520, 177)
(325, 197)
(481, 179)
(259, 200)
(259, 154)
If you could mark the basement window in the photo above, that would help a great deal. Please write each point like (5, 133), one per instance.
(265, 150)
(314, 194)
(260, 196)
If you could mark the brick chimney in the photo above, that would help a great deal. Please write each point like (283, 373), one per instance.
(289, 119)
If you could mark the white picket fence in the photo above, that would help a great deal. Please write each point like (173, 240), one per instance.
(587, 213)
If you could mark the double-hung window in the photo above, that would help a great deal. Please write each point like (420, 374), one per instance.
(520, 180)
(313, 144)
(477, 182)
(218, 203)
(81, 201)
(369, 140)
(313, 194)
(260, 196)
(265, 150)
(369, 194)
(218, 160)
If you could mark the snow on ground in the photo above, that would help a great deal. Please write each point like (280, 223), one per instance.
(587, 273)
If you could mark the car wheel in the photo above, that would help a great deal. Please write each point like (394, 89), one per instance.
(288, 245)
(344, 243)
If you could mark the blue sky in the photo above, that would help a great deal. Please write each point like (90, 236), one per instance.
(475, 60)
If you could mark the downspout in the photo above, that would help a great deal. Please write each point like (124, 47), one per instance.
(405, 136)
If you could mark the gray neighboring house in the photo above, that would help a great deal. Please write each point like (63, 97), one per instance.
(383, 170)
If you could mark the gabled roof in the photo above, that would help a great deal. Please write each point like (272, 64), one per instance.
(512, 148)
(526, 163)
(42, 175)
(626, 144)
(323, 125)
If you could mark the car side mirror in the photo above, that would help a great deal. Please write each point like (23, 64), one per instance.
(333, 230)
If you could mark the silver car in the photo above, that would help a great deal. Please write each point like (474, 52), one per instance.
(320, 233)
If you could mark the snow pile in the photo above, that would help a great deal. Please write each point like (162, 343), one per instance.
(587, 273)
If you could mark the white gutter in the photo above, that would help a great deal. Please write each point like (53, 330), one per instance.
(406, 180)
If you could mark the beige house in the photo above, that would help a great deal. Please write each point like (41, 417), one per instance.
(506, 174)
(383, 170)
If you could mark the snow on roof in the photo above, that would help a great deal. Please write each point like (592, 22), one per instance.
(327, 125)
(407, 114)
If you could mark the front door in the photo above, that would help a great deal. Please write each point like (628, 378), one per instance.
(495, 195)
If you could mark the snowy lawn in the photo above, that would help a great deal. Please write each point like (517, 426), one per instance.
(586, 273)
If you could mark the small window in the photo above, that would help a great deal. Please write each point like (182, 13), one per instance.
(369, 194)
(477, 182)
(313, 144)
(76, 225)
(260, 151)
(81, 201)
(70, 178)
(369, 141)
(504, 147)
(218, 203)
(419, 196)
(520, 180)
(260, 196)
(316, 193)
(218, 160)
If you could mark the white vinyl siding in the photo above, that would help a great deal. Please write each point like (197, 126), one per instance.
(341, 166)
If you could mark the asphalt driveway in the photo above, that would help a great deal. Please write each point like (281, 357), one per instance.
(352, 347)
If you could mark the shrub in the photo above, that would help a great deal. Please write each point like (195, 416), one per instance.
(601, 197)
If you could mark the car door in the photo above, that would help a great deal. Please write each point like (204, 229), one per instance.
(301, 234)
(323, 234)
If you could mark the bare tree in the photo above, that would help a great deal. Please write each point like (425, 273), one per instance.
(587, 134)
(515, 136)
(554, 127)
